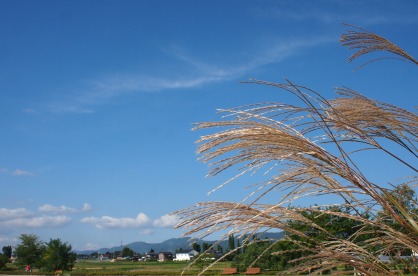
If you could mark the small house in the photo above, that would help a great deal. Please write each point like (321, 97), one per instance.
(165, 256)
(151, 256)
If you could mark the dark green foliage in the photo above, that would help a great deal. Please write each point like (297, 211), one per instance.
(205, 246)
(48, 257)
(231, 247)
(405, 198)
(278, 255)
(196, 247)
(204, 260)
(323, 225)
(58, 255)
(7, 250)
(29, 251)
(231, 242)
(238, 247)
(3, 261)
(127, 252)
(260, 253)
(335, 225)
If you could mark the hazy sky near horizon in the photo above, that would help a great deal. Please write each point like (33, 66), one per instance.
(99, 97)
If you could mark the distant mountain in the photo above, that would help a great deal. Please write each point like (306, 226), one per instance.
(172, 245)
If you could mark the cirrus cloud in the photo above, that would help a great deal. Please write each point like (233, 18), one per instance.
(20, 172)
(197, 72)
(15, 172)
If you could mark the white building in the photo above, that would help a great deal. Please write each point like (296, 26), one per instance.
(185, 255)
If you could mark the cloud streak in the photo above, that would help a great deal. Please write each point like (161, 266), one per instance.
(15, 172)
(24, 218)
(106, 222)
(47, 208)
(141, 221)
(7, 214)
(166, 221)
(338, 12)
(196, 73)
(36, 222)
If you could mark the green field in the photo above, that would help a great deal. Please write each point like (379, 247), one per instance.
(140, 268)
(89, 267)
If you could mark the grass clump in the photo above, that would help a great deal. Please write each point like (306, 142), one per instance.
(310, 150)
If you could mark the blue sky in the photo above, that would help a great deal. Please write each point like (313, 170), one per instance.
(98, 99)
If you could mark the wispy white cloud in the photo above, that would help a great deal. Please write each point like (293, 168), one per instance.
(24, 218)
(6, 214)
(69, 107)
(141, 221)
(147, 232)
(37, 222)
(20, 172)
(29, 110)
(167, 221)
(56, 209)
(91, 246)
(15, 172)
(115, 86)
(86, 207)
(197, 72)
(281, 49)
(337, 12)
(104, 222)
(63, 209)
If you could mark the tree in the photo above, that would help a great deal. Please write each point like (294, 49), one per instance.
(238, 247)
(29, 251)
(312, 149)
(231, 242)
(205, 259)
(7, 251)
(127, 252)
(403, 202)
(259, 254)
(58, 256)
(205, 246)
(196, 247)
(231, 251)
(325, 223)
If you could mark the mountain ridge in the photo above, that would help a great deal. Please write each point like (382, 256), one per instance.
(171, 245)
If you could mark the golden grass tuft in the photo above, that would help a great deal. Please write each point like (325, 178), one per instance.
(308, 150)
(365, 42)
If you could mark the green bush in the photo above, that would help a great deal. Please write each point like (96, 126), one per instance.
(3, 261)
